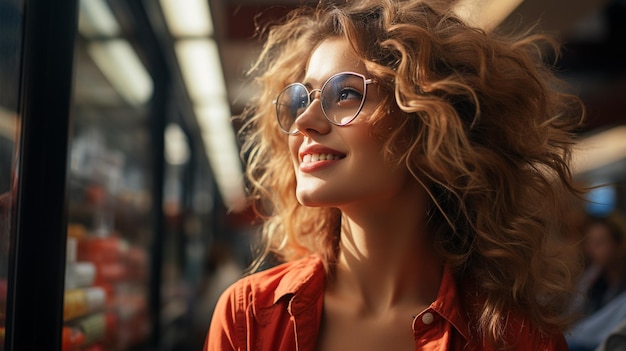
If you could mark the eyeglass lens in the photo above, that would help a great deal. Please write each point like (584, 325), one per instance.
(341, 99)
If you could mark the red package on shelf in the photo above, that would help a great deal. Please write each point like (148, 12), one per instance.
(73, 338)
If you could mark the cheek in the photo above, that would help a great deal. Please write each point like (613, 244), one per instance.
(363, 140)
(372, 156)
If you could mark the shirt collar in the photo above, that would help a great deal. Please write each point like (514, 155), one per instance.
(449, 305)
(304, 284)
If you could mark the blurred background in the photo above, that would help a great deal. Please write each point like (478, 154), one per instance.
(151, 222)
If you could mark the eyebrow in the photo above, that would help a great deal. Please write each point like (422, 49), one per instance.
(309, 85)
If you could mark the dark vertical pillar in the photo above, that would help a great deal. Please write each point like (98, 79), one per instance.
(36, 279)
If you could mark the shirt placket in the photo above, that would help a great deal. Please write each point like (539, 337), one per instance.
(305, 324)
(428, 331)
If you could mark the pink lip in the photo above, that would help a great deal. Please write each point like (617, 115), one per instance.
(317, 165)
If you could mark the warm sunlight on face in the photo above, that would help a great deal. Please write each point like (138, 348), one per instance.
(340, 166)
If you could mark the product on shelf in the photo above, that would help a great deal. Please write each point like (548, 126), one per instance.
(79, 275)
(73, 338)
(90, 332)
(82, 301)
(106, 291)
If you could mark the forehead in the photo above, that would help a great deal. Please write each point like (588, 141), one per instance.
(329, 57)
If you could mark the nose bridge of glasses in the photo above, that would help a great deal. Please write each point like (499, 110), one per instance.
(311, 94)
(311, 98)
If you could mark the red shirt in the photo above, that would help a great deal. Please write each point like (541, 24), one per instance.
(280, 309)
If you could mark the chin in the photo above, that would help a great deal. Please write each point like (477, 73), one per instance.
(310, 200)
(307, 202)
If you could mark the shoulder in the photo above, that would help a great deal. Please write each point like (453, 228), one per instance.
(514, 330)
(265, 288)
(522, 334)
(256, 292)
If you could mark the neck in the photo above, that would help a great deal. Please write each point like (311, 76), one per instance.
(386, 259)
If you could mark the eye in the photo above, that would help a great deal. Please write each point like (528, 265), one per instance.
(343, 89)
(349, 94)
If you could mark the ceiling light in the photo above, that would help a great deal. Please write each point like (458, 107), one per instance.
(202, 73)
(599, 150)
(176, 145)
(485, 14)
(120, 64)
(201, 68)
(221, 148)
(187, 18)
(96, 19)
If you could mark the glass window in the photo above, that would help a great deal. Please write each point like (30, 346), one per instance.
(10, 56)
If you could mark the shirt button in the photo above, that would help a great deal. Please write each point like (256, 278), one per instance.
(428, 318)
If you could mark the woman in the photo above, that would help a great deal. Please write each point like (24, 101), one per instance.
(605, 245)
(603, 304)
(409, 169)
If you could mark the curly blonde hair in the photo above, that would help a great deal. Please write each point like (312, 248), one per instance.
(484, 126)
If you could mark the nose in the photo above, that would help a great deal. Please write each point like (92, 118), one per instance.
(312, 119)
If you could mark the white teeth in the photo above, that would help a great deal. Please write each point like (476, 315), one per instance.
(308, 158)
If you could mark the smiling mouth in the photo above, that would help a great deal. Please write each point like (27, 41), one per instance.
(311, 158)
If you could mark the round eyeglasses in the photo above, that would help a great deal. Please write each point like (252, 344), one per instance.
(341, 97)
